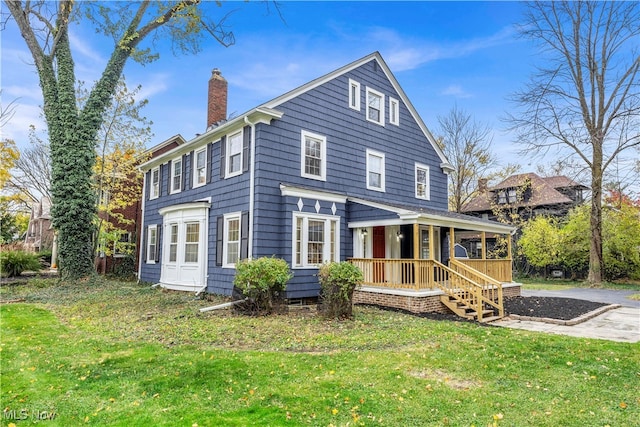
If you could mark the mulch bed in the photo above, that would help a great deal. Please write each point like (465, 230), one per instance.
(550, 307)
(542, 307)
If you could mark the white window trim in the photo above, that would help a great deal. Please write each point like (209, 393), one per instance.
(195, 167)
(354, 85)
(427, 191)
(225, 242)
(323, 155)
(382, 103)
(173, 170)
(153, 196)
(227, 160)
(305, 239)
(394, 119)
(151, 256)
(382, 177)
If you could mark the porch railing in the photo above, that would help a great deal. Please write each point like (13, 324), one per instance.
(499, 269)
(465, 284)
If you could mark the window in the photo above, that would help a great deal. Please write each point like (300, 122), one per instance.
(354, 95)
(394, 112)
(173, 242)
(192, 240)
(375, 106)
(176, 175)
(234, 154)
(200, 168)
(123, 246)
(422, 181)
(155, 183)
(232, 239)
(152, 244)
(502, 197)
(513, 195)
(314, 154)
(316, 239)
(375, 170)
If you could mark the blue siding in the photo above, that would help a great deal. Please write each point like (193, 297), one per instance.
(323, 110)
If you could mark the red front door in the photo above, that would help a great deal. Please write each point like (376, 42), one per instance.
(378, 252)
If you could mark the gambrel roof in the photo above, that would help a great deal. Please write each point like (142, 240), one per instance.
(544, 192)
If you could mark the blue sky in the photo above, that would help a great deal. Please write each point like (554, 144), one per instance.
(443, 54)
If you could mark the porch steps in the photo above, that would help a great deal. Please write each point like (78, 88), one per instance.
(463, 310)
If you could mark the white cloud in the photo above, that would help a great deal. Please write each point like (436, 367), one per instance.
(17, 128)
(407, 53)
(456, 91)
(153, 84)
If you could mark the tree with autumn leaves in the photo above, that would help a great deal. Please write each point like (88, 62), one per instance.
(72, 129)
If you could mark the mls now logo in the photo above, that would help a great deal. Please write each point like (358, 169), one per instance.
(23, 414)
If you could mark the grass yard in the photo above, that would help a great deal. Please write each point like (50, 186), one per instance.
(110, 353)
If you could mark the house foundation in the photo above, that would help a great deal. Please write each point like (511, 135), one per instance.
(415, 302)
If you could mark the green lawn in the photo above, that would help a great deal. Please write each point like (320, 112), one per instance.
(110, 353)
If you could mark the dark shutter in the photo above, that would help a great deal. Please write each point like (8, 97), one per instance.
(209, 165)
(143, 249)
(158, 234)
(147, 187)
(244, 236)
(223, 162)
(186, 176)
(219, 239)
(246, 144)
(168, 167)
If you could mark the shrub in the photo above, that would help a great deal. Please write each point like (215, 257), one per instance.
(261, 280)
(13, 263)
(338, 280)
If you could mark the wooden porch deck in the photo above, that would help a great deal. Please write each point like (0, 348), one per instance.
(471, 288)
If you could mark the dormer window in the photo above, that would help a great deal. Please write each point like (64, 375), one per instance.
(513, 195)
(502, 197)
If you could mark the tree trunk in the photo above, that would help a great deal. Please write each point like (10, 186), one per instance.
(596, 259)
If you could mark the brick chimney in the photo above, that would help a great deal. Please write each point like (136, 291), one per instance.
(217, 99)
(482, 185)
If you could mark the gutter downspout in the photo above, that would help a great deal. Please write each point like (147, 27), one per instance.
(142, 237)
(252, 174)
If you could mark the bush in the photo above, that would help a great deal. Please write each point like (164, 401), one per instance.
(262, 281)
(13, 263)
(338, 280)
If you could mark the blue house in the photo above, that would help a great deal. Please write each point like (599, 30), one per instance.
(341, 168)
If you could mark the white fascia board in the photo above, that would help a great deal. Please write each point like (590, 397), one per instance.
(320, 81)
(185, 206)
(256, 115)
(289, 190)
(470, 224)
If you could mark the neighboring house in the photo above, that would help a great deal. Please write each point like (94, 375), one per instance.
(341, 168)
(528, 195)
(131, 227)
(39, 234)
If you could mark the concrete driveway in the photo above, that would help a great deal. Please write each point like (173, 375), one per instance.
(619, 324)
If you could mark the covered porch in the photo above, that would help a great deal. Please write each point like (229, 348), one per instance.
(451, 262)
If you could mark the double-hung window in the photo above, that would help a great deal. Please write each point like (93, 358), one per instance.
(314, 155)
(375, 170)
(234, 154)
(375, 106)
(354, 95)
(173, 243)
(200, 160)
(232, 239)
(176, 175)
(513, 195)
(152, 243)
(155, 183)
(422, 182)
(192, 241)
(315, 239)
